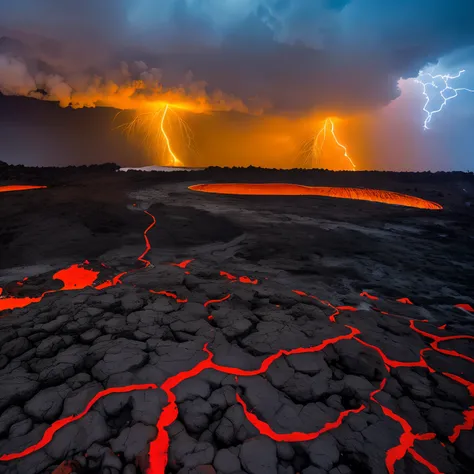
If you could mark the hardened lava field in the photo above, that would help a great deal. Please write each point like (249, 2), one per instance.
(184, 332)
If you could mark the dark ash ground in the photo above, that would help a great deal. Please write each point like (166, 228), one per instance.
(57, 354)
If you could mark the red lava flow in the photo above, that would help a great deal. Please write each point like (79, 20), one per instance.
(182, 264)
(241, 279)
(76, 277)
(18, 187)
(265, 429)
(208, 302)
(57, 425)
(364, 294)
(337, 309)
(285, 189)
(158, 451)
(439, 339)
(407, 439)
(170, 294)
(465, 307)
(404, 300)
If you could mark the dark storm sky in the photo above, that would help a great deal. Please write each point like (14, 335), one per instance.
(287, 57)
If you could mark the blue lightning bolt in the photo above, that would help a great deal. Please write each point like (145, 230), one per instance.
(444, 89)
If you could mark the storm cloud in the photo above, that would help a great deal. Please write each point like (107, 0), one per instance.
(278, 56)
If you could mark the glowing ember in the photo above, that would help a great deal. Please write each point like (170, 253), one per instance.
(169, 294)
(182, 264)
(404, 301)
(207, 303)
(242, 279)
(7, 189)
(281, 189)
(364, 294)
(67, 467)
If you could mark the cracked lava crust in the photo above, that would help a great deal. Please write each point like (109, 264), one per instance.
(174, 366)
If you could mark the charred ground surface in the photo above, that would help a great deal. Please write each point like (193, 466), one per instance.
(365, 383)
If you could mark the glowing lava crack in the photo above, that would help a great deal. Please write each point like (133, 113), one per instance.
(76, 277)
(282, 189)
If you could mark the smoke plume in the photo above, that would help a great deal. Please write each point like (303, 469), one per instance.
(278, 56)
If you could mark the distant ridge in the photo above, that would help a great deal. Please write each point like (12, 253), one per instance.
(160, 168)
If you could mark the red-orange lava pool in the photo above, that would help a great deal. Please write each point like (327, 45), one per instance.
(19, 187)
(282, 189)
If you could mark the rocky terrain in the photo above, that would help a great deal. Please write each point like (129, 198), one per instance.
(175, 332)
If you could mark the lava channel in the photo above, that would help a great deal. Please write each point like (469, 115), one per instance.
(76, 277)
(57, 425)
(407, 439)
(284, 189)
(17, 187)
(170, 294)
(241, 279)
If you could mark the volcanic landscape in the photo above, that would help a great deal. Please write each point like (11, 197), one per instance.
(146, 327)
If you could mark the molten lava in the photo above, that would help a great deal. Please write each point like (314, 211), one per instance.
(241, 279)
(170, 294)
(364, 294)
(265, 429)
(282, 189)
(17, 187)
(57, 425)
(182, 264)
(407, 439)
(208, 302)
(404, 300)
(76, 277)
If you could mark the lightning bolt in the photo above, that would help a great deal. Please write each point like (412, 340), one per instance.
(315, 146)
(154, 125)
(176, 161)
(443, 89)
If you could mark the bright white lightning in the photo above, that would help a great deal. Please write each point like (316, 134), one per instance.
(443, 90)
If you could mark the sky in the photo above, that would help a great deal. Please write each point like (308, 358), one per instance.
(254, 80)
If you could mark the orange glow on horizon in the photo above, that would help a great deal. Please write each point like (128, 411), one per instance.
(283, 189)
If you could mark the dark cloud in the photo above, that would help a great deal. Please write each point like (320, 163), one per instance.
(293, 56)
